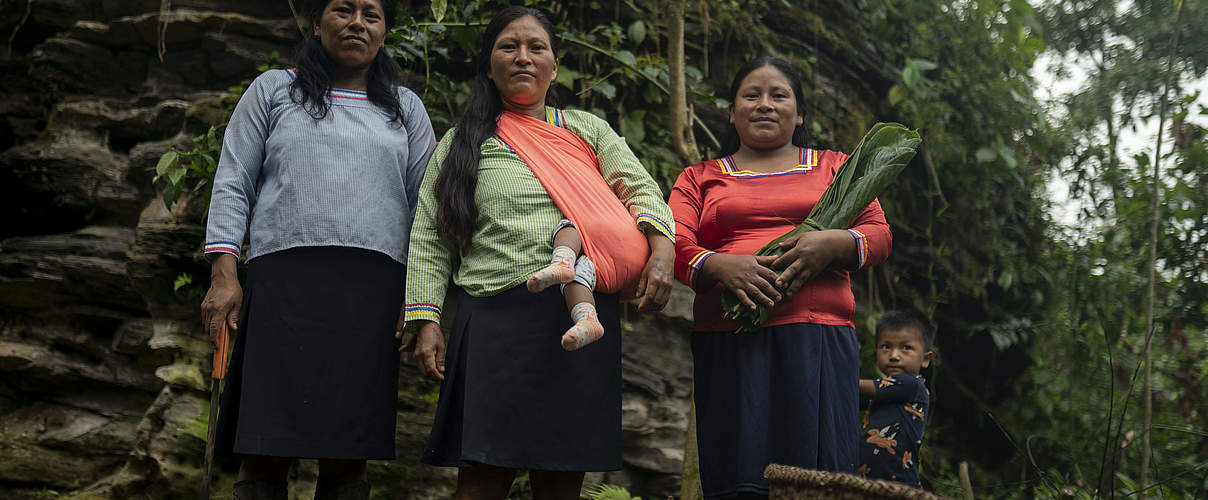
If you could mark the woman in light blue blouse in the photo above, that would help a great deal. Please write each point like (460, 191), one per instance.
(320, 169)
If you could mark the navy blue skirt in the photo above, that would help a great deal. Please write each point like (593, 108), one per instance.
(784, 394)
(512, 397)
(314, 371)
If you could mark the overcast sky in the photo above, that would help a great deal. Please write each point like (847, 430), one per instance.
(1139, 139)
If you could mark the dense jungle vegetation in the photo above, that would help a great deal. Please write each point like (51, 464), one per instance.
(1044, 320)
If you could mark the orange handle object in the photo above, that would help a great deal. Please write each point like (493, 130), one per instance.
(221, 352)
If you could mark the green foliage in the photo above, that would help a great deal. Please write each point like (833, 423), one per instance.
(963, 81)
(1079, 399)
(182, 280)
(521, 486)
(608, 492)
(193, 170)
(1089, 380)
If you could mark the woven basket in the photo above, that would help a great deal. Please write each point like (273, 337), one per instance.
(794, 483)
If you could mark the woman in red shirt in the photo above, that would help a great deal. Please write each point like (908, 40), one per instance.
(785, 393)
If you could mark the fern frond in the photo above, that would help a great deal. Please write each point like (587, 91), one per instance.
(603, 491)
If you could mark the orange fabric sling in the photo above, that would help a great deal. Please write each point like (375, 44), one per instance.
(570, 172)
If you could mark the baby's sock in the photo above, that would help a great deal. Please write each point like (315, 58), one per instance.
(587, 327)
(561, 269)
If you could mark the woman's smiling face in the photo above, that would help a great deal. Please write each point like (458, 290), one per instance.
(523, 63)
(764, 111)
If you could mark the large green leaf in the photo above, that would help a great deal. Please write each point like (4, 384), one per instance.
(165, 161)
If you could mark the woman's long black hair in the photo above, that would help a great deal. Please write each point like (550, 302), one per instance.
(731, 142)
(458, 180)
(315, 69)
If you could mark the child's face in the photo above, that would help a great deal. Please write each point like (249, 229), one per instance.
(901, 351)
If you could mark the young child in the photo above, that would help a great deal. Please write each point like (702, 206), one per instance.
(897, 404)
(577, 276)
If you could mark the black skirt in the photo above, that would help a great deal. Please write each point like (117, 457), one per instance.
(784, 394)
(314, 372)
(512, 397)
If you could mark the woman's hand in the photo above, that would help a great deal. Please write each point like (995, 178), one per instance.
(224, 298)
(429, 353)
(654, 287)
(808, 253)
(748, 277)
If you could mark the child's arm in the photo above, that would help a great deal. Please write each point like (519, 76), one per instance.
(900, 388)
(868, 388)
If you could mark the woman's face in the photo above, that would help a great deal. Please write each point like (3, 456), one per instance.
(765, 110)
(523, 62)
(352, 32)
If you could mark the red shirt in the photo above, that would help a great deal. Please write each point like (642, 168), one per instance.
(719, 208)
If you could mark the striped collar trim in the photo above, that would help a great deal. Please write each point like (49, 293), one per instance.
(807, 160)
(554, 117)
(356, 95)
(505, 144)
(348, 94)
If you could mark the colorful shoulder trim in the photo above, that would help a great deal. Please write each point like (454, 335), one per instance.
(505, 144)
(807, 161)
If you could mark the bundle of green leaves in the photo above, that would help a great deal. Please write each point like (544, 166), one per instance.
(874, 164)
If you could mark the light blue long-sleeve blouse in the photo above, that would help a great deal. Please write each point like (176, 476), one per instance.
(350, 179)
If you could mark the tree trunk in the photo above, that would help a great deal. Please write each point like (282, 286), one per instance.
(690, 476)
(1147, 391)
(685, 147)
(682, 138)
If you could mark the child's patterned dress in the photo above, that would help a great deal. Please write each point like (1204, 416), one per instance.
(892, 432)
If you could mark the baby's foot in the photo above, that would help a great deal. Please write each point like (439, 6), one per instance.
(584, 332)
(560, 270)
(553, 274)
(587, 327)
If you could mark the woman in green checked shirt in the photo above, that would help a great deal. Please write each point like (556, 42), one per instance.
(511, 398)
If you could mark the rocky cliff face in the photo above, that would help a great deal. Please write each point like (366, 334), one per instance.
(103, 366)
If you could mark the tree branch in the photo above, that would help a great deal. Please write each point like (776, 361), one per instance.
(684, 146)
(1147, 392)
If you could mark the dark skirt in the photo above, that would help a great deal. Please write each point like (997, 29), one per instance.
(512, 397)
(314, 372)
(782, 394)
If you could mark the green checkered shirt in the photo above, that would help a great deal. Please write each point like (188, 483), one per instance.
(516, 217)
